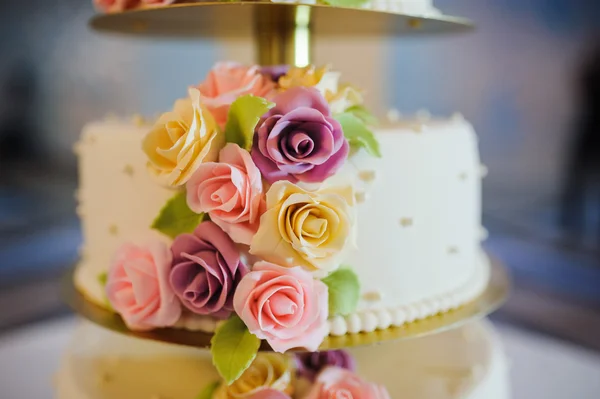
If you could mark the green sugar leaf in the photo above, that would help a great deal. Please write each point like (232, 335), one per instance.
(363, 114)
(103, 279)
(176, 217)
(358, 134)
(244, 114)
(233, 349)
(208, 391)
(344, 291)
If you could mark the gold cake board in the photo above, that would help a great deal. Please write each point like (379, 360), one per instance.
(282, 32)
(232, 17)
(491, 299)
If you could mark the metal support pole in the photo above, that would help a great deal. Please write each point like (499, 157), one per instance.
(283, 35)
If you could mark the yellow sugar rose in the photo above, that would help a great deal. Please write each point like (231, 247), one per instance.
(181, 140)
(306, 228)
(268, 371)
(339, 96)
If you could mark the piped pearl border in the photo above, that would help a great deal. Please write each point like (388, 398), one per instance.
(380, 319)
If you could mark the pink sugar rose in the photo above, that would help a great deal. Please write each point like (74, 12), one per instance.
(138, 286)
(227, 81)
(336, 382)
(231, 192)
(269, 394)
(158, 3)
(110, 6)
(285, 306)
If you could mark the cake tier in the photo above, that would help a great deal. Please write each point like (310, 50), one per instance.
(418, 239)
(419, 7)
(411, 7)
(465, 363)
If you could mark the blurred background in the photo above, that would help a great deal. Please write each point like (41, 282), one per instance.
(528, 79)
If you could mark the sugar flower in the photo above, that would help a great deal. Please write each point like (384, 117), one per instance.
(231, 192)
(284, 306)
(298, 140)
(206, 270)
(229, 80)
(138, 286)
(181, 140)
(306, 228)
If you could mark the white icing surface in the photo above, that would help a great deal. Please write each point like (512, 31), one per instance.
(419, 225)
(101, 364)
(118, 198)
(465, 363)
(419, 229)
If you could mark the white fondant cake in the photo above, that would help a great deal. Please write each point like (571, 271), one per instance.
(466, 363)
(418, 246)
(411, 7)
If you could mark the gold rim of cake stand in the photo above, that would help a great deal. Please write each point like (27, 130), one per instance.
(490, 300)
(235, 17)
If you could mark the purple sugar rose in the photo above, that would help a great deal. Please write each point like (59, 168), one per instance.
(269, 393)
(310, 364)
(298, 140)
(275, 71)
(206, 270)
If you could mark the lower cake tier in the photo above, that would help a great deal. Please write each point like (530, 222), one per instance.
(465, 363)
(418, 229)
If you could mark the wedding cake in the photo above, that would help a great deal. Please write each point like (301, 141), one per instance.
(271, 210)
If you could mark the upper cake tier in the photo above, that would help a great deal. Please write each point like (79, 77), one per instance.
(415, 7)
(264, 201)
(272, 19)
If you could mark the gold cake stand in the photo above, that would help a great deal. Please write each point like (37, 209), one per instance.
(283, 32)
(491, 299)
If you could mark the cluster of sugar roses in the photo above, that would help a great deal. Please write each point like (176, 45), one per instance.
(112, 6)
(323, 374)
(258, 234)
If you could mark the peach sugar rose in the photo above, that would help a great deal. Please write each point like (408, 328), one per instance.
(110, 6)
(138, 286)
(285, 306)
(335, 382)
(227, 81)
(181, 140)
(231, 192)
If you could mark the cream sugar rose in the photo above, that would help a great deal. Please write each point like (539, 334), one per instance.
(284, 221)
